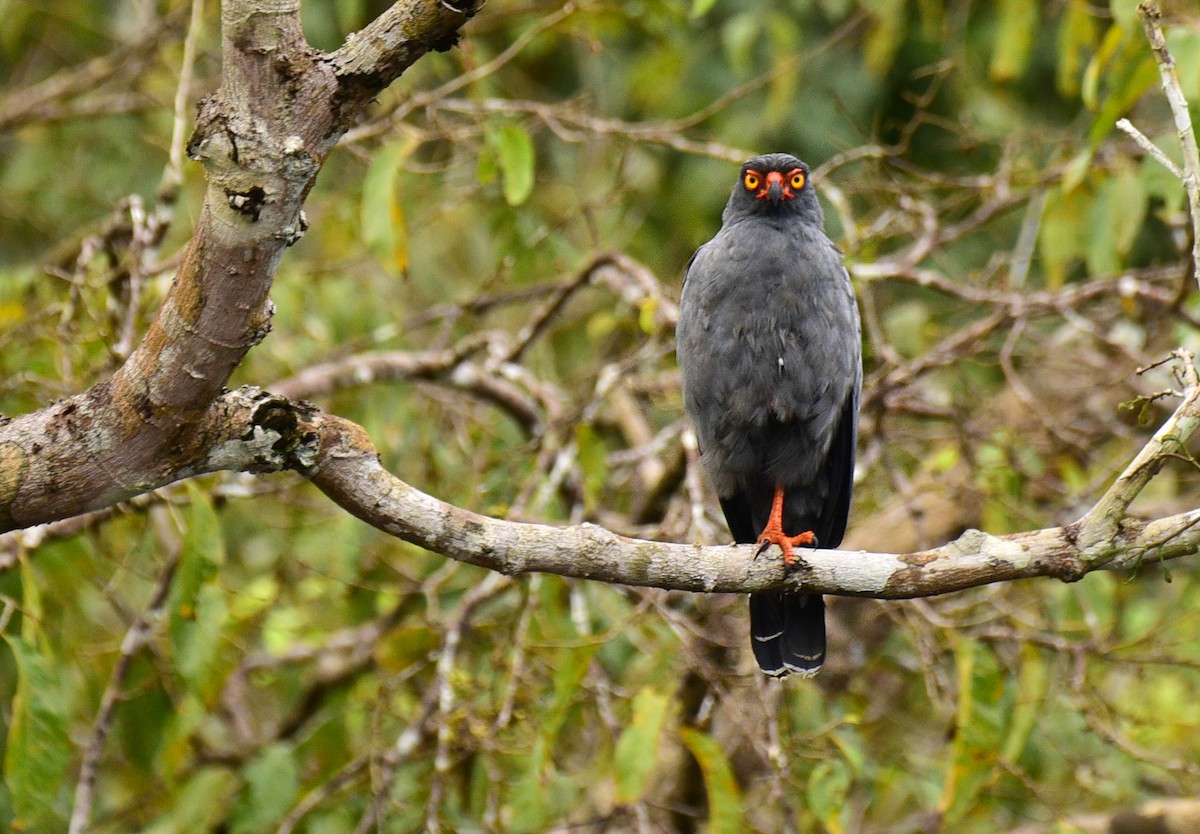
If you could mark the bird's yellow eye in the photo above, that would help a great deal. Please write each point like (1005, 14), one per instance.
(797, 180)
(751, 180)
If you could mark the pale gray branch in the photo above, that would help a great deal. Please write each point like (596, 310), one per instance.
(1104, 519)
(273, 434)
(348, 470)
(1150, 13)
(1149, 147)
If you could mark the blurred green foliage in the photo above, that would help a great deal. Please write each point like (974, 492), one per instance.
(307, 671)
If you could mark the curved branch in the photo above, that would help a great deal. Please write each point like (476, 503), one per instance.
(342, 462)
(262, 138)
(250, 430)
(347, 469)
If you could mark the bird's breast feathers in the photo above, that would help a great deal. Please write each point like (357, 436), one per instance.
(768, 333)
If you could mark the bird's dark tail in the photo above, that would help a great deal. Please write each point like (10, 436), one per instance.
(787, 633)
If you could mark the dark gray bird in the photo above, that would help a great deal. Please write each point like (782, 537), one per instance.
(769, 345)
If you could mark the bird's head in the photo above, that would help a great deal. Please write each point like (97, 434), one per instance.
(775, 184)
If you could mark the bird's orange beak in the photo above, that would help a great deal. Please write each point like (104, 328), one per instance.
(775, 189)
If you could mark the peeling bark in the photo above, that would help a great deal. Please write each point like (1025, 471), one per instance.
(262, 139)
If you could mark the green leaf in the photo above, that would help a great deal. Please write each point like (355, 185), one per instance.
(724, 798)
(1076, 171)
(828, 785)
(514, 152)
(197, 641)
(203, 552)
(197, 604)
(1076, 38)
(978, 730)
(1101, 254)
(637, 749)
(1129, 70)
(272, 782)
(1061, 234)
(1033, 679)
(885, 33)
(702, 7)
(1113, 221)
(1139, 79)
(1128, 210)
(1090, 90)
(31, 600)
(38, 748)
(381, 214)
(853, 748)
(1018, 22)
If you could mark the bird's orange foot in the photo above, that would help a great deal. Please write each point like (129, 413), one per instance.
(773, 534)
(786, 544)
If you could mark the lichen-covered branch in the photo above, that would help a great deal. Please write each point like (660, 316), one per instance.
(265, 433)
(1106, 519)
(262, 138)
(351, 475)
(344, 464)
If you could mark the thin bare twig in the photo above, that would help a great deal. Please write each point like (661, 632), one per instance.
(135, 638)
(1150, 14)
(181, 120)
(1149, 147)
(1102, 522)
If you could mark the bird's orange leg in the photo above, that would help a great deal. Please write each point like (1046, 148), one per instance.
(773, 532)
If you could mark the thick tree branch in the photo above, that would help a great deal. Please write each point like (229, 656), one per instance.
(249, 430)
(348, 471)
(376, 56)
(262, 138)
(340, 460)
